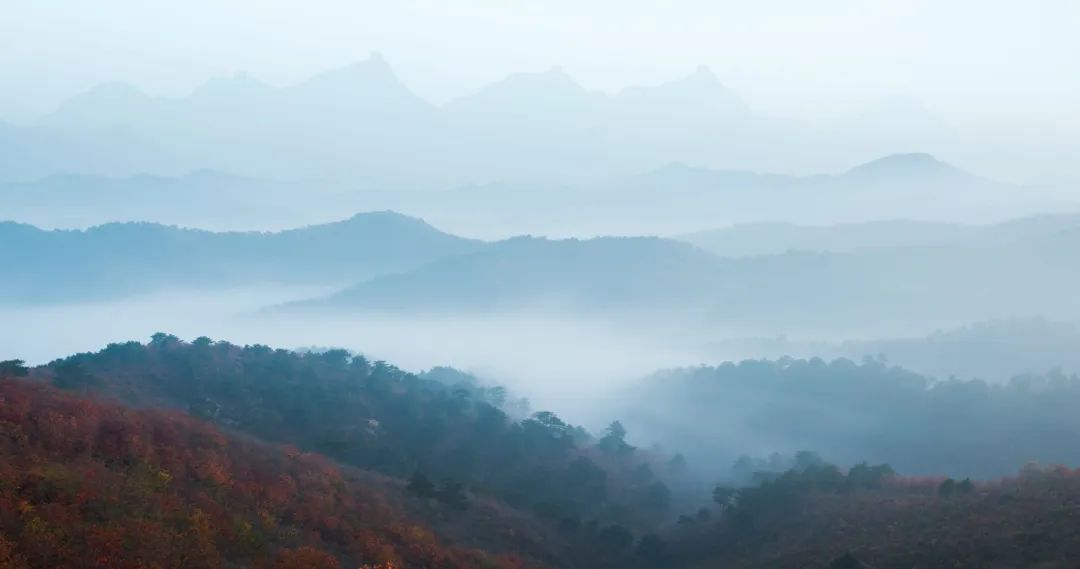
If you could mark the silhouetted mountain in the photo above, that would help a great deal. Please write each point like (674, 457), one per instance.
(918, 284)
(533, 274)
(916, 167)
(773, 238)
(124, 258)
(205, 198)
(360, 123)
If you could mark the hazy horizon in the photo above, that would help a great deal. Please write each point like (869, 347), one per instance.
(1002, 80)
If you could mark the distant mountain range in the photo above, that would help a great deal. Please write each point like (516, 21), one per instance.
(528, 273)
(389, 262)
(669, 200)
(750, 239)
(1008, 272)
(120, 259)
(360, 123)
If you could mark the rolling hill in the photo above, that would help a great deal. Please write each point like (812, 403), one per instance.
(119, 259)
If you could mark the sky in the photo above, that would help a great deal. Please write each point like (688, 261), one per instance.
(978, 63)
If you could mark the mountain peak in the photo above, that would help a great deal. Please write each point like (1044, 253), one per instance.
(373, 72)
(368, 82)
(523, 94)
(239, 85)
(701, 89)
(907, 165)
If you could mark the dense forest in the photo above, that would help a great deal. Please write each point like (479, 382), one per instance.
(447, 435)
(852, 411)
(216, 455)
(91, 484)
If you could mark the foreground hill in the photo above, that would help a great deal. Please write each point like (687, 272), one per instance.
(85, 483)
(817, 515)
(90, 484)
(124, 258)
(443, 431)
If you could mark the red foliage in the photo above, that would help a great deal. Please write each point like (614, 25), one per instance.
(95, 485)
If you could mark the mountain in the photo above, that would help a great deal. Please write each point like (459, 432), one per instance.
(204, 198)
(124, 258)
(528, 273)
(357, 120)
(907, 168)
(361, 124)
(698, 96)
(827, 293)
(750, 239)
(897, 186)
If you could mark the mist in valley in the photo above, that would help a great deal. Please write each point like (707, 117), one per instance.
(453, 286)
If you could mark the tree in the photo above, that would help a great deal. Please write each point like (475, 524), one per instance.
(305, 557)
(615, 538)
(13, 368)
(947, 488)
(657, 497)
(420, 485)
(614, 440)
(652, 550)
(70, 374)
(725, 496)
(845, 561)
(452, 493)
(677, 464)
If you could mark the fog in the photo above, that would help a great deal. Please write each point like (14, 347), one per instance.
(557, 363)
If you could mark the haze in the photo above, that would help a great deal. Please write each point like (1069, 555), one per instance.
(559, 285)
(1003, 74)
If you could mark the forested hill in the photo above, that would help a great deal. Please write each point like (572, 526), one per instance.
(442, 431)
(123, 258)
(852, 411)
(95, 485)
(189, 471)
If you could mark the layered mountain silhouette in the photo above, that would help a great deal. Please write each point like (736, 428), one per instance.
(361, 123)
(120, 259)
(671, 199)
(1002, 272)
(529, 273)
(750, 239)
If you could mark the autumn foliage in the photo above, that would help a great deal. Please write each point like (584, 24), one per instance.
(93, 485)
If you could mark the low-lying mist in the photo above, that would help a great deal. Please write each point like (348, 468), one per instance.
(588, 369)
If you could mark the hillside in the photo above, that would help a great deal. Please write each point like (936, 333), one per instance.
(527, 273)
(817, 515)
(750, 239)
(852, 412)
(90, 484)
(443, 431)
(833, 293)
(117, 259)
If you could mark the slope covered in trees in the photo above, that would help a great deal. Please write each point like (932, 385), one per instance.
(858, 411)
(444, 433)
(818, 515)
(95, 485)
(473, 486)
